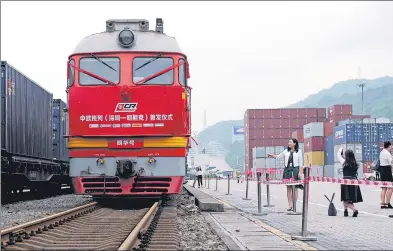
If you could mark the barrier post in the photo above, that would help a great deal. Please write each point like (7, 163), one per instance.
(268, 191)
(208, 181)
(304, 236)
(216, 183)
(260, 213)
(229, 186)
(247, 178)
(294, 201)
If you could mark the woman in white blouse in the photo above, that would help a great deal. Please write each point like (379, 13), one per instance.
(385, 167)
(293, 167)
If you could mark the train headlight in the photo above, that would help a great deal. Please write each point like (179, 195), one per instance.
(151, 160)
(126, 37)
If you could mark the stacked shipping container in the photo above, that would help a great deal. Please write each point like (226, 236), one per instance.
(273, 127)
(267, 129)
(336, 115)
(314, 144)
(298, 134)
(364, 139)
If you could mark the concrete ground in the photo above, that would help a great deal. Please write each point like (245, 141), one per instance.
(371, 230)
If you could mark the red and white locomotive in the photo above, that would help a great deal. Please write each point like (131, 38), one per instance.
(129, 111)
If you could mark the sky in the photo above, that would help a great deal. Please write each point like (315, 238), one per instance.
(242, 55)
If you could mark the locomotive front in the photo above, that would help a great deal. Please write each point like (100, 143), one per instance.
(129, 111)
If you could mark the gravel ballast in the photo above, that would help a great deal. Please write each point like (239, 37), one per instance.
(24, 211)
(195, 232)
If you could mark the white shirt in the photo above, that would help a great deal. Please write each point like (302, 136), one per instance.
(297, 157)
(199, 173)
(385, 158)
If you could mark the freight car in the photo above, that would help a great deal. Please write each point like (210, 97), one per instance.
(130, 112)
(26, 136)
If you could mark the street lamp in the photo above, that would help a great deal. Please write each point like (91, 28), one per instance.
(362, 85)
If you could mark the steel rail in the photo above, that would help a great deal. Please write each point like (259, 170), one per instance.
(29, 229)
(133, 238)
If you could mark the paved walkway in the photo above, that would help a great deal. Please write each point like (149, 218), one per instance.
(372, 230)
(241, 231)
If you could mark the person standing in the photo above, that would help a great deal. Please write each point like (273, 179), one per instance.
(199, 176)
(293, 167)
(238, 176)
(385, 168)
(350, 194)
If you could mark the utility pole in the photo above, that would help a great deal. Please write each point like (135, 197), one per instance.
(362, 85)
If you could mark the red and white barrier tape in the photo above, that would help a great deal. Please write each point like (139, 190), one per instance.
(329, 180)
(351, 181)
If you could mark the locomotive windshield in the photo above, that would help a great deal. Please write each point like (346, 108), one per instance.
(105, 67)
(144, 67)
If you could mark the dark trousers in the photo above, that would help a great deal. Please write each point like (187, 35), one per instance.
(199, 180)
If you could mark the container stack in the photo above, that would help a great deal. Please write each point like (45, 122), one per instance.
(259, 156)
(320, 135)
(314, 146)
(298, 134)
(274, 127)
(365, 139)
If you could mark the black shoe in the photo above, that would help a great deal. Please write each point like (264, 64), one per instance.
(384, 206)
(345, 213)
(289, 209)
(355, 213)
(389, 206)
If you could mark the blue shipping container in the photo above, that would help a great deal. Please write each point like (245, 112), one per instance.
(329, 150)
(385, 132)
(370, 132)
(370, 151)
(349, 133)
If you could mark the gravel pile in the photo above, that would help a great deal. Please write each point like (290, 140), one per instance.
(24, 211)
(195, 232)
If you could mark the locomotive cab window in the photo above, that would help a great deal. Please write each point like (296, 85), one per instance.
(71, 72)
(144, 67)
(104, 67)
(182, 72)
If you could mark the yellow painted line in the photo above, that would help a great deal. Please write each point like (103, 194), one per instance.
(280, 234)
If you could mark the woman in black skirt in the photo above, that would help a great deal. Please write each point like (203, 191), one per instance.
(293, 168)
(350, 194)
(385, 168)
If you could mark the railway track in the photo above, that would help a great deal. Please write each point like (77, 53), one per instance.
(91, 227)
